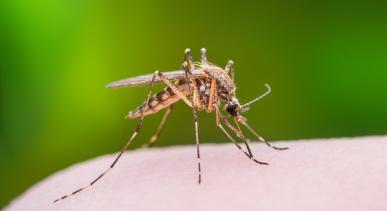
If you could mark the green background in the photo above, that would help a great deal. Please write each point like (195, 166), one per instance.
(326, 63)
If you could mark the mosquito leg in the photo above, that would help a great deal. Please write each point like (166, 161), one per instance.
(239, 133)
(188, 66)
(188, 58)
(197, 143)
(135, 133)
(204, 60)
(174, 88)
(259, 138)
(212, 97)
(219, 124)
(153, 139)
(230, 69)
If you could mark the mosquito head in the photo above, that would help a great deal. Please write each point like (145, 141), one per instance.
(233, 107)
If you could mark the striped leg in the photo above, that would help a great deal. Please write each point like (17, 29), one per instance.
(197, 143)
(154, 138)
(188, 66)
(219, 124)
(135, 133)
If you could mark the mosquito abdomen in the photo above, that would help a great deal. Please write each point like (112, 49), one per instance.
(161, 100)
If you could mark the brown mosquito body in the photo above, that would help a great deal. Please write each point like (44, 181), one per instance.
(203, 87)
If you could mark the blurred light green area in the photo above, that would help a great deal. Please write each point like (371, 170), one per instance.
(326, 63)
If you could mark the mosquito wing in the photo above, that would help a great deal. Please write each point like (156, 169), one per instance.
(143, 80)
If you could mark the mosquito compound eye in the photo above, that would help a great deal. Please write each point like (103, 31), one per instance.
(232, 109)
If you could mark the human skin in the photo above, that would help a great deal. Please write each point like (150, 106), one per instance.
(330, 174)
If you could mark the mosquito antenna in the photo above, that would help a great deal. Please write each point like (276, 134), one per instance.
(258, 98)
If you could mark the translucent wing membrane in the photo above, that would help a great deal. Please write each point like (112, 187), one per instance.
(146, 79)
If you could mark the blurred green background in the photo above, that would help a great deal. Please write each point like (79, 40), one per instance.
(326, 63)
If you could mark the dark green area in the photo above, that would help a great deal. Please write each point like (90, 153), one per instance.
(326, 63)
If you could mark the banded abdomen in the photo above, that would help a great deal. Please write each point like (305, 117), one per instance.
(162, 99)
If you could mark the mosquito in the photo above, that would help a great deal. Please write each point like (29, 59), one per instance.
(203, 86)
